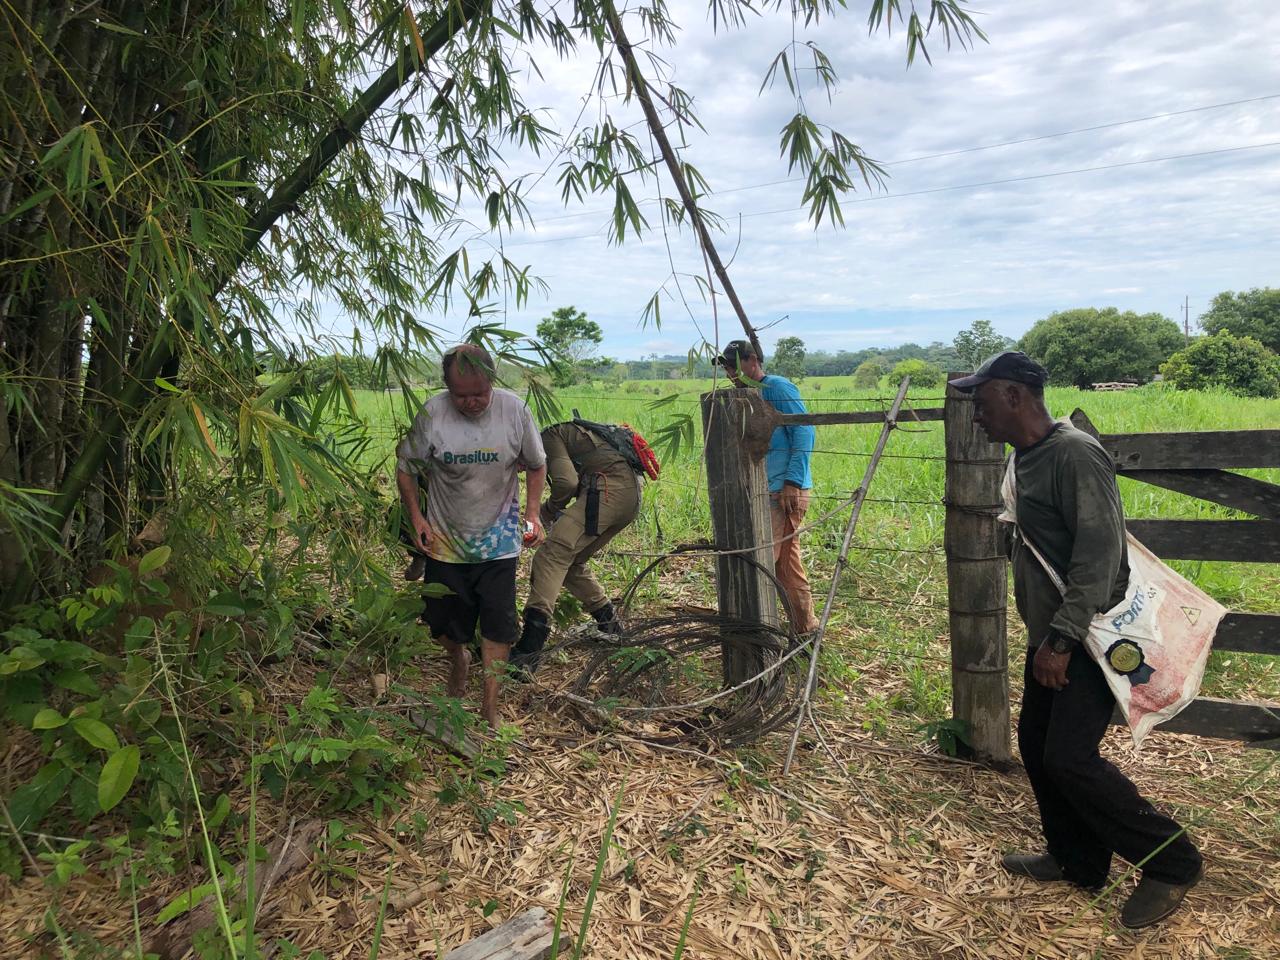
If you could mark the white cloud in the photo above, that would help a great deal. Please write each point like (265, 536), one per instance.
(921, 260)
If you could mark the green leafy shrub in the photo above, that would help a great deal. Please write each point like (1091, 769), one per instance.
(1238, 365)
(147, 683)
(336, 750)
(921, 372)
(868, 374)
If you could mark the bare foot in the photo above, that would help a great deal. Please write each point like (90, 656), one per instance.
(460, 663)
(491, 715)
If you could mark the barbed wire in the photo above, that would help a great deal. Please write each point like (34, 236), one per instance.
(663, 401)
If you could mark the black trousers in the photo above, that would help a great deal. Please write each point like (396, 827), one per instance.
(1088, 808)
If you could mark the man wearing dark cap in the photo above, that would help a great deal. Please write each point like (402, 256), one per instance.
(1068, 506)
(790, 481)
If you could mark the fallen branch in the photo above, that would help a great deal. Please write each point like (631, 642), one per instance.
(524, 937)
(414, 897)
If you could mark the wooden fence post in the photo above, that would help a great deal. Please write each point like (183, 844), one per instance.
(977, 580)
(736, 433)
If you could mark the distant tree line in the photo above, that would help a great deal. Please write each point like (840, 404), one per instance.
(1080, 347)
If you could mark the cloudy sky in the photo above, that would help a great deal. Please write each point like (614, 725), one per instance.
(1134, 214)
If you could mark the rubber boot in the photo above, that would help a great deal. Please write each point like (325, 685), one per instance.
(607, 620)
(528, 649)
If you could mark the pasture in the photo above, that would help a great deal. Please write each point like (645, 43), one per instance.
(893, 598)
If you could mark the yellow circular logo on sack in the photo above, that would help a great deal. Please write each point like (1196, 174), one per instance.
(1125, 656)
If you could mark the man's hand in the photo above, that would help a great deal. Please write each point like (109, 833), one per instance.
(1049, 668)
(789, 499)
(423, 535)
(538, 536)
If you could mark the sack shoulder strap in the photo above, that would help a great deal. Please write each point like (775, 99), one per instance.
(1009, 492)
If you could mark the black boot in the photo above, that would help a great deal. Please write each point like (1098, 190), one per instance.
(607, 620)
(528, 650)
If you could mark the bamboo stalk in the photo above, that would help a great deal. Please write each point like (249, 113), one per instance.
(162, 349)
(641, 87)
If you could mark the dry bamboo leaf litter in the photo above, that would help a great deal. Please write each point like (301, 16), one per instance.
(893, 853)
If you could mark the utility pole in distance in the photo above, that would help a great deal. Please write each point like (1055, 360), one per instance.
(1186, 317)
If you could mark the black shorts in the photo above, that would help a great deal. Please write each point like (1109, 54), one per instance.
(482, 593)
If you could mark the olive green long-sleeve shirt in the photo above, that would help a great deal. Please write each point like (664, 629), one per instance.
(1069, 507)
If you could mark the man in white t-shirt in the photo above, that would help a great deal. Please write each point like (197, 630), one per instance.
(468, 445)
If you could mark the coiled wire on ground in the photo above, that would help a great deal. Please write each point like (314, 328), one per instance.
(662, 679)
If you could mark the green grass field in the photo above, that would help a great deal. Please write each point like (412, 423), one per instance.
(891, 605)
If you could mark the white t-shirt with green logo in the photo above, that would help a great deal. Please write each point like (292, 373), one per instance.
(471, 466)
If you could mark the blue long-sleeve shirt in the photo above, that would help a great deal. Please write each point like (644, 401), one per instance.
(791, 446)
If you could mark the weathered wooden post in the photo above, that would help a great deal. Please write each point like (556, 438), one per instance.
(736, 432)
(977, 580)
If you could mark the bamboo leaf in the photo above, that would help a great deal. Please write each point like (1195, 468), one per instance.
(94, 146)
(198, 415)
(62, 144)
(117, 28)
(37, 198)
(186, 901)
(417, 37)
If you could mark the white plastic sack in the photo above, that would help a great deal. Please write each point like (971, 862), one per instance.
(1153, 645)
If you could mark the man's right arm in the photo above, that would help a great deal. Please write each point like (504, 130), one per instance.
(409, 453)
(407, 484)
(784, 396)
(562, 476)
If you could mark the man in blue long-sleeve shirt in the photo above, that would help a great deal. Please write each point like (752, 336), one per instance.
(789, 478)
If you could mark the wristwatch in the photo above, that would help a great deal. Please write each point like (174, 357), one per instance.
(1060, 644)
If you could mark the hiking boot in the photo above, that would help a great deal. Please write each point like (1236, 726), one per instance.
(1037, 866)
(1153, 900)
(528, 649)
(1043, 867)
(607, 620)
(417, 567)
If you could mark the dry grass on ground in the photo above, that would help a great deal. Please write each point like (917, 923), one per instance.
(886, 850)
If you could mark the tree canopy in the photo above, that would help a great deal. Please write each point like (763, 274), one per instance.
(1087, 346)
(788, 358)
(978, 343)
(571, 339)
(1252, 313)
(868, 373)
(921, 372)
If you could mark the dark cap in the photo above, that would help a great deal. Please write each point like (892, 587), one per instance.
(733, 352)
(1010, 365)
